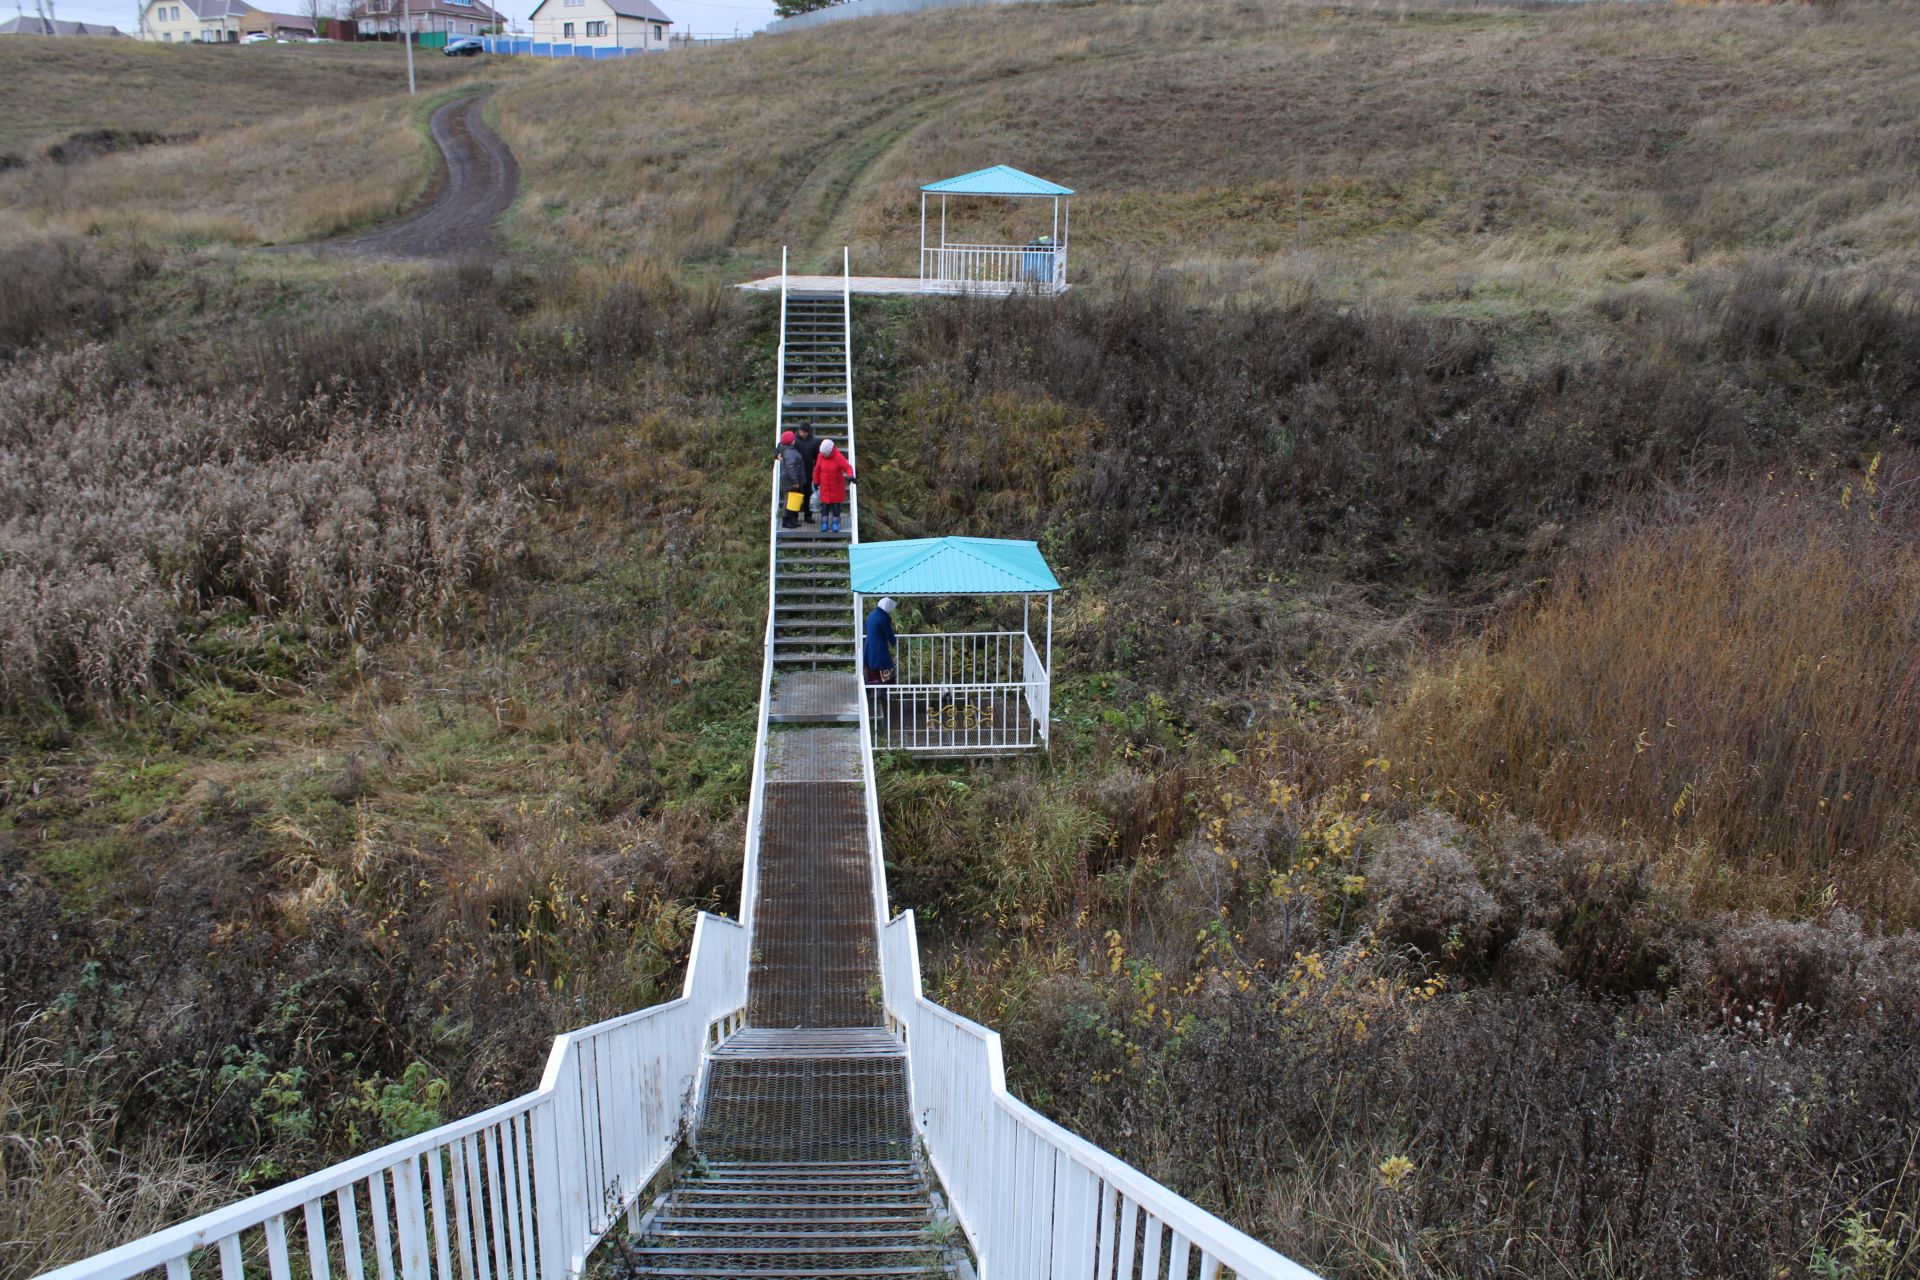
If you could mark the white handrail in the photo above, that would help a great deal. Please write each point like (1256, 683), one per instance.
(575, 1153)
(1035, 1199)
(756, 794)
(846, 335)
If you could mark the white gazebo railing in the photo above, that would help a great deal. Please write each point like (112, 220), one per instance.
(959, 267)
(963, 693)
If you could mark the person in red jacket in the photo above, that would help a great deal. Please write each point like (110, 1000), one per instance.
(832, 473)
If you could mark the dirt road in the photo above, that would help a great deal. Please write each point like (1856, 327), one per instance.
(476, 184)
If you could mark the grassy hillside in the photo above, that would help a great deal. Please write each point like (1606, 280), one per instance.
(1483, 161)
(245, 145)
(1479, 837)
(51, 89)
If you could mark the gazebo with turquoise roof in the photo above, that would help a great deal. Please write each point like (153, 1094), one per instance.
(982, 691)
(952, 266)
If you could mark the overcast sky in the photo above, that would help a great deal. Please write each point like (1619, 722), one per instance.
(695, 17)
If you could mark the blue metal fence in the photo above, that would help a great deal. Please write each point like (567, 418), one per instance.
(559, 49)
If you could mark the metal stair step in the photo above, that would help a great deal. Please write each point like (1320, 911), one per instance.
(810, 1273)
(884, 1234)
(772, 1196)
(809, 1166)
(845, 1181)
(776, 1216)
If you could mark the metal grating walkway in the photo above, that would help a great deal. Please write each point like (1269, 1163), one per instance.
(807, 1164)
(816, 957)
(813, 755)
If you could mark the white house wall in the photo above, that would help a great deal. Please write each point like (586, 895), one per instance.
(550, 24)
(176, 23)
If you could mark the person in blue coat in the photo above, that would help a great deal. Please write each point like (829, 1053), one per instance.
(877, 655)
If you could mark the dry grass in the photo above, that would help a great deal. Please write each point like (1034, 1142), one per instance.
(290, 178)
(1736, 679)
(63, 1174)
(1490, 160)
(257, 145)
(50, 89)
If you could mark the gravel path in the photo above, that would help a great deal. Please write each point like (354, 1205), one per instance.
(477, 183)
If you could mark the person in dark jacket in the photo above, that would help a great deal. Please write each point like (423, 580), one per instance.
(831, 476)
(809, 446)
(877, 654)
(793, 479)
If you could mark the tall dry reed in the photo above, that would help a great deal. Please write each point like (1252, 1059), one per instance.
(1738, 675)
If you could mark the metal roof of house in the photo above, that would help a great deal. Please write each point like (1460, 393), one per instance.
(638, 9)
(644, 10)
(950, 567)
(1000, 180)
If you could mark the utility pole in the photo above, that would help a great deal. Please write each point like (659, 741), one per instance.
(406, 9)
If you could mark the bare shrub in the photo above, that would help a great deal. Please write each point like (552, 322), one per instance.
(1392, 448)
(1426, 890)
(1737, 675)
(53, 287)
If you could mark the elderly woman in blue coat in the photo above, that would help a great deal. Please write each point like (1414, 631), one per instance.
(877, 654)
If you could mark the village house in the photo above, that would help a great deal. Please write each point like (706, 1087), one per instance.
(384, 19)
(625, 24)
(217, 22)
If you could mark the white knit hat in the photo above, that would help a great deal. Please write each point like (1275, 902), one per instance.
(888, 603)
(826, 446)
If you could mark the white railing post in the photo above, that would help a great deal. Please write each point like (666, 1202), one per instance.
(853, 456)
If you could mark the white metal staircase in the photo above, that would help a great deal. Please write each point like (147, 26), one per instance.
(809, 1111)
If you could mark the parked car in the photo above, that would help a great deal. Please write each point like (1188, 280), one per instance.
(465, 47)
(257, 37)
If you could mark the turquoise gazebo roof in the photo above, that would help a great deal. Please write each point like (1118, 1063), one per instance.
(950, 567)
(1000, 180)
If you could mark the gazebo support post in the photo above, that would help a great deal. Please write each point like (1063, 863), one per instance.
(1066, 233)
(923, 239)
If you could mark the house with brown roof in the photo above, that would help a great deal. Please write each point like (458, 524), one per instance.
(217, 22)
(624, 24)
(385, 19)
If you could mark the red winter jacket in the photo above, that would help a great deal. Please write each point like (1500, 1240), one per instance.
(830, 476)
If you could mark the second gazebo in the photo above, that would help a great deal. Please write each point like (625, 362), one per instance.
(959, 266)
(981, 689)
